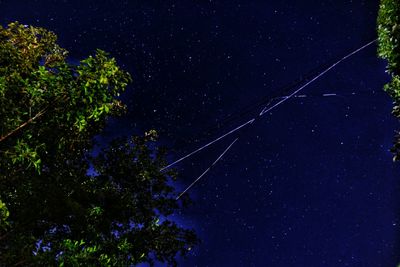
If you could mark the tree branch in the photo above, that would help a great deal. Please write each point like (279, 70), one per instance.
(39, 114)
(4, 236)
(20, 262)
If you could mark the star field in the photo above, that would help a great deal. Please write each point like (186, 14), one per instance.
(312, 183)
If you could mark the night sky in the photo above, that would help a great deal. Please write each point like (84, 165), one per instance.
(310, 184)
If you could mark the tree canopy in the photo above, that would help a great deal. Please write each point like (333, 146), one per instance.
(389, 49)
(60, 205)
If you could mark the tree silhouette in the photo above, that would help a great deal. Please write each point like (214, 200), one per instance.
(53, 210)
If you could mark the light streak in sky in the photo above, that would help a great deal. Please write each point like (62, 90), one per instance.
(209, 144)
(265, 110)
(207, 170)
(268, 108)
(329, 95)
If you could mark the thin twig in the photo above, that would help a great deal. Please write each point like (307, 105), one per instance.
(39, 114)
(20, 262)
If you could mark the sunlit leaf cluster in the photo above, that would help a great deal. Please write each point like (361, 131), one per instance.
(389, 49)
(42, 96)
(59, 205)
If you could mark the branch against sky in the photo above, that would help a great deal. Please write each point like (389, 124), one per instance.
(389, 49)
(52, 211)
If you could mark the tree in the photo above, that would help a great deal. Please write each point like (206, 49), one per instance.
(389, 49)
(59, 204)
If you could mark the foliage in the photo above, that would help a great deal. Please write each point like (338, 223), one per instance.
(389, 49)
(53, 212)
(4, 213)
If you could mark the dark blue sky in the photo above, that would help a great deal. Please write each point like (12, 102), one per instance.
(312, 184)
